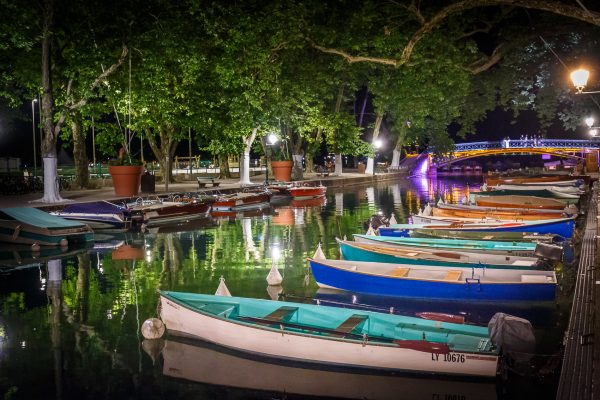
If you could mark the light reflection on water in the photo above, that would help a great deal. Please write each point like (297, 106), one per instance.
(110, 292)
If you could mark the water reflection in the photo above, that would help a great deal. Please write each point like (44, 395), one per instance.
(204, 363)
(105, 293)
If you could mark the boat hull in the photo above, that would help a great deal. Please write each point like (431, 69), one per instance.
(288, 345)
(307, 192)
(328, 275)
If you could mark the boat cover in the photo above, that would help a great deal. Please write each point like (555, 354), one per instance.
(94, 207)
(514, 335)
(39, 218)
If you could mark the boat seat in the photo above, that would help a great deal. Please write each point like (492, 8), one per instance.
(399, 272)
(281, 314)
(220, 309)
(452, 275)
(354, 322)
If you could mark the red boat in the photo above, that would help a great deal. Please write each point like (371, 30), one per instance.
(241, 201)
(164, 212)
(307, 192)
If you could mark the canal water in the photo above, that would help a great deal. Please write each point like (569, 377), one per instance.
(70, 327)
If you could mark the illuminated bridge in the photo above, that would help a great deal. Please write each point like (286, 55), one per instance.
(567, 148)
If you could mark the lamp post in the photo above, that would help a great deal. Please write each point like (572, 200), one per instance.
(271, 140)
(589, 121)
(579, 78)
(376, 146)
(33, 127)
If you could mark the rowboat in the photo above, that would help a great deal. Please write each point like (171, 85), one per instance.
(422, 219)
(390, 253)
(198, 361)
(26, 225)
(505, 214)
(483, 235)
(330, 335)
(539, 192)
(98, 215)
(241, 200)
(521, 249)
(525, 188)
(426, 281)
(22, 255)
(167, 212)
(306, 192)
(570, 210)
(518, 201)
(554, 180)
(560, 226)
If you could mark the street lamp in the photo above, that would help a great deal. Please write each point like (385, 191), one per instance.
(579, 79)
(271, 140)
(33, 126)
(376, 145)
(589, 121)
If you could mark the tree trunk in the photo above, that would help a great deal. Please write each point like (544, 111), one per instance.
(398, 148)
(311, 149)
(371, 161)
(82, 175)
(164, 149)
(245, 159)
(224, 166)
(338, 156)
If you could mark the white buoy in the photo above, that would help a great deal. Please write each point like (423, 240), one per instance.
(370, 231)
(153, 328)
(427, 210)
(274, 292)
(319, 255)
(222, 289)
(393, 220)
(484, 187)
(153, 347)
(274, 278)
(440, 202)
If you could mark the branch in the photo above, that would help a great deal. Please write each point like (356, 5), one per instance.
(353, 59)
(485, 64)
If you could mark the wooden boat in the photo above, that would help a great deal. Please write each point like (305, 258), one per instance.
(560, 226)
(520, 249)
(167, 212)
(570, 210)
(27, 225)
(97, 215)
(534, 180)
(502, 214)
(198, 361)
(422, 219)
(22, 255)
(330, 335)
(539, 192)
(574, 190)
(391, 253)
(435, 282)
(306, 192)
(241, 201)
(518, 201)
(483, 235)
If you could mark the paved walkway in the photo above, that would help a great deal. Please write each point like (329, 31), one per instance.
(107, 193)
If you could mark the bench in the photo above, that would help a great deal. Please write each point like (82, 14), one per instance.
(203, 180)
(399, 272)
(354, 322)
(282, 314)
(452, 275)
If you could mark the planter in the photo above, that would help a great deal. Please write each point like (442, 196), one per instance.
(126, 179)
(361, 168)
(282, 170)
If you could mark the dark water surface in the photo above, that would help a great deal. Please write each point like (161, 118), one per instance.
(70, 328)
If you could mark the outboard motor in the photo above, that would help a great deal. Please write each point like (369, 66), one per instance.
(376, 221)
(514, 336)
(549, 251)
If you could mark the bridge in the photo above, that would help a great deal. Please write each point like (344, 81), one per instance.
(566, 148)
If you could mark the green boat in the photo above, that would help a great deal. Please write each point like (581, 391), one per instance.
(482, 235)
(525, 249)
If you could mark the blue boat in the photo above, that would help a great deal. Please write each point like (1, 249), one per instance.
(26, 225)
(98, 215)
(560, 226)
(434, 282)
(386, 253)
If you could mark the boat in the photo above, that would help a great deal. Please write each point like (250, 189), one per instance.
(554, 180)
(390, 253)
(22, 255)
(547, 193)
(520, 249)
(160, 211)
(570, 210)
(202, 362)
(560, 226)
(306, 192)
(27, 225)
(423, 219)
(560, 190)
(241, 201)
(482, 235)
(426, 281)
(98, 215)
(330, 335)
(502, 214)
(491, 199)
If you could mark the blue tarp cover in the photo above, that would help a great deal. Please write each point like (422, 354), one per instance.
(94, 207)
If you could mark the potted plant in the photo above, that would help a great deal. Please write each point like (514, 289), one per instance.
(126, 173)
(282, 163)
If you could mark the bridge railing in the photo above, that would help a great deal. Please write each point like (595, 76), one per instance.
(539, 143)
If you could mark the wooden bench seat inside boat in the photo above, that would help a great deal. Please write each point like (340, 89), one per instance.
(452, 275)
(221, 309)
(399, 272)
(282, 314)
(354, 322)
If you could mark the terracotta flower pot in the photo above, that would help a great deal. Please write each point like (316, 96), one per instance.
(282, 170)
(126, 179)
